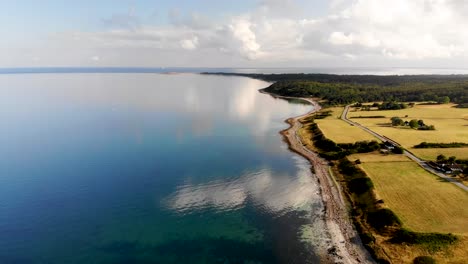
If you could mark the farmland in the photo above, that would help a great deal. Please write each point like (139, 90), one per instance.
(451, 126)
(339, 131)
(405, 187)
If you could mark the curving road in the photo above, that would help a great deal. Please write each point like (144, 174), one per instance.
(410, 155)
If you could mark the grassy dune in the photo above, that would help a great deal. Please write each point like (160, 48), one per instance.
(339, 131)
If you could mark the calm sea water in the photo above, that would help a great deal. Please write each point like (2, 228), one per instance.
(151, 168)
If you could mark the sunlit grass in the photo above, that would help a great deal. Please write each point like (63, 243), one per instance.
(339, 131)
(421, 200)
(451, 124)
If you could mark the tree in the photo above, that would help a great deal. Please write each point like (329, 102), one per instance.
(414, 123)
(396, 121)
(443, 100)
(452, 159)
(441, 158)
(398, 150)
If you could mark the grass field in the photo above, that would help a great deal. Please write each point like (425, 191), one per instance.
(339, 131)
(432, 153)
(451, 124)
(422, 201)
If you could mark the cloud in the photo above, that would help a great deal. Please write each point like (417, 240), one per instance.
(241, 30)
(339, 38)
(276, 33)
(278, 193)
(189, 44)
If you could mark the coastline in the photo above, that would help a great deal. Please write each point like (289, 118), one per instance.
(345, 246)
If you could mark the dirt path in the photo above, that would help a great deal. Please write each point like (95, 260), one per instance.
(345, 246)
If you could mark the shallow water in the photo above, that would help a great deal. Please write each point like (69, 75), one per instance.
(151, 168)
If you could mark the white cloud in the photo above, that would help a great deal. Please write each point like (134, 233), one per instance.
(189, 44)
(241, 30)
(339, 38)
(385, 32)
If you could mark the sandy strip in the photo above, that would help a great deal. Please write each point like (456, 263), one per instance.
(345, 246)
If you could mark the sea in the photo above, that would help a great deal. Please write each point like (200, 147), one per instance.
(154, 165)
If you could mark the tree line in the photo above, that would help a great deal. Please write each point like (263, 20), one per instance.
(346, 89)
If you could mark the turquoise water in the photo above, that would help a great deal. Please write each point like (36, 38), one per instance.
(151, 168)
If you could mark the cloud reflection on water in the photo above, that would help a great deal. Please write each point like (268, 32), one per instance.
(278, 194)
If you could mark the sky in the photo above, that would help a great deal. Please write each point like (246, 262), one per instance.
(242, 33)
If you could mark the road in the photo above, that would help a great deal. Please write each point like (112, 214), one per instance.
(422, 163)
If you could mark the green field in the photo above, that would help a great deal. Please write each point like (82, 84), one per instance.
(339, 131)
(421, 200)
(451, 124)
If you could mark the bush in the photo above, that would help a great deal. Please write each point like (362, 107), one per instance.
(424, 260)
(398, 150)
(383, 218)
(441, 145)
(349, 169)
(367, 238)
(434, 241)
(360, 185)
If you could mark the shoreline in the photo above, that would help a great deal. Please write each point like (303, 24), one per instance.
(345, 246)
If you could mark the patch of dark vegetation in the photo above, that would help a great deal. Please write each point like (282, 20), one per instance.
(323, 114)
(383, 218)
(433, 241)
(374, 116)
(360, 185)
(349, 169)
(398, 150)
(414, 123)
(463, 105)
(441, 145)
(392, 106)
(424, 260)
(361, 146)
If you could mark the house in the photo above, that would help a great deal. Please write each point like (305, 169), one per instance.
(455, 167)
(434, 165)
(446, 170)
(388, 145)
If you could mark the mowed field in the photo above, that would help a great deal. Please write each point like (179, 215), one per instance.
(339, 131)
(451, 124)
(421, 200)
(432, 153)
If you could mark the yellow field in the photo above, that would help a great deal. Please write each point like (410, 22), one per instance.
(339, 131)
(374, 157)
(432, 153)
(451, 124)
(421, 200)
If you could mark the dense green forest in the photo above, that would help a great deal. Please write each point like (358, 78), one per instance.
(346, 89)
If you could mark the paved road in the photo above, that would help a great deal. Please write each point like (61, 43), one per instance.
(410, 155)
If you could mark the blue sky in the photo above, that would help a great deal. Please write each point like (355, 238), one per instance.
(46, 16)
(243, 33)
